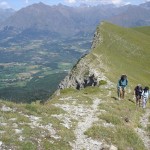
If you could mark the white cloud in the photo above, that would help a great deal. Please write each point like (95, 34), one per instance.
(27, 1)
(4, 5)
(116, 2)
(71, 1)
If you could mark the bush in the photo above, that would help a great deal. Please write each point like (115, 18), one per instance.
(102, 82)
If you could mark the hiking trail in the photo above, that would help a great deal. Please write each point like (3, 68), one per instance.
(86, 116)
(144, 121)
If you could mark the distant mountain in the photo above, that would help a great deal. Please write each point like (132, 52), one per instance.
(44, 21)
(132, 16)
(5, 13)
(56, 20)
(146, 5)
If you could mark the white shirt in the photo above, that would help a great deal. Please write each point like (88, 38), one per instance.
(146, 94)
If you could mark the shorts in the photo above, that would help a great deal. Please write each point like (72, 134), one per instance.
(121, 88)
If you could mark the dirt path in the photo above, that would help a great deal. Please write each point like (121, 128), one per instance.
(82, 142)
(86, 116)
(141, 131)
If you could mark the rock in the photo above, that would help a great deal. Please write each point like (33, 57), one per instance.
(1, 143)
(104, 147)
(6, 109)
(126, 119)
(112, 147)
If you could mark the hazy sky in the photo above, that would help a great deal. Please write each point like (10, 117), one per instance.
(17, 4)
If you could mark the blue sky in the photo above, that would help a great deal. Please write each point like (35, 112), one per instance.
(18, 4)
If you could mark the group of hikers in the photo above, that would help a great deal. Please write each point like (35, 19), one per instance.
(141, 94)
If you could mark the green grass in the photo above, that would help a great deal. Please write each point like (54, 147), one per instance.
(102, 82)
(122, 133)
(28, 146)
(120, 136)
(148, 127)
(32, 134)
(124, 51)
(110, 118)
(122, 117)
(144, 30)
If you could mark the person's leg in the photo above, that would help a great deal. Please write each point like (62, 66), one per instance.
(118, 92)
(123, 92)
(144, 102)
(140, 100)
(136, 99)
(146, 99)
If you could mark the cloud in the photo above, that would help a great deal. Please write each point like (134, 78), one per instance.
(4, 5)
(116, 2)
(27, 1)
(71, 1)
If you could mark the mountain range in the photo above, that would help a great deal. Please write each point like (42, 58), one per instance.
(5, 13)
(64, 21)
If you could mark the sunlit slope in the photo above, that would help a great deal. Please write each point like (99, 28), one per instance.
(144, 30)
(124, 51)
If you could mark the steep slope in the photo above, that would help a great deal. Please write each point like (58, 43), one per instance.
(127, 51)
(115, 51)
(91, 118)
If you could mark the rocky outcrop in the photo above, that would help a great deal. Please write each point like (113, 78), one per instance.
(89, 70)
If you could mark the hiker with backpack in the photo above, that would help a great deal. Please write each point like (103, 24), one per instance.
(145, 95)
(138, 93)
(122, 83)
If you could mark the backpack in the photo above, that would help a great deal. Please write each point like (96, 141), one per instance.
(122, 83)
(138, 90)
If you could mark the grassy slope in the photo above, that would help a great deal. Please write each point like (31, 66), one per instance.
(123, 51)
(145, 30)
(126, 51)
(32, 131)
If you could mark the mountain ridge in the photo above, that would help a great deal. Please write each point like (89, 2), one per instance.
(90, 118)
(74, 20)
(119, 47)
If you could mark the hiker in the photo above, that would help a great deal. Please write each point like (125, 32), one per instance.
(138, 92)
(91, 80)
(78, 85)
(145, 95)
(122, 83)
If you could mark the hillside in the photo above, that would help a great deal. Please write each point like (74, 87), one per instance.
(39, 41)
(115, 51)
(125, 52)
(90, 118)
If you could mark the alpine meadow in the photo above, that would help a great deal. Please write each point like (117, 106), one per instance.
(59, 69)
(90, 118)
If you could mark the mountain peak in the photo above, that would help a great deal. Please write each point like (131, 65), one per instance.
(39, 5)
(146, 5)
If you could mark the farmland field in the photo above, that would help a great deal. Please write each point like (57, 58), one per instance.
(32, 70)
